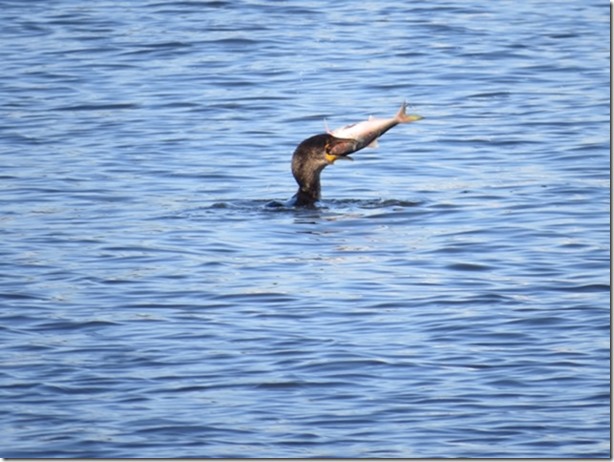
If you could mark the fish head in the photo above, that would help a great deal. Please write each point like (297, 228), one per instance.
(338, 148)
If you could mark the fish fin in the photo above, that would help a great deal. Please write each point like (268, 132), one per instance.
(327, 128)
(403, 117)
(374, 144)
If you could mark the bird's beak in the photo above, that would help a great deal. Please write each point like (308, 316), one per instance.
(331, 158)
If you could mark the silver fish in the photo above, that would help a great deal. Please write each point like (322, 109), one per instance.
(367, 132)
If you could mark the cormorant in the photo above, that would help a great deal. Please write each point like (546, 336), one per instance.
(313, 154)
(310, 158)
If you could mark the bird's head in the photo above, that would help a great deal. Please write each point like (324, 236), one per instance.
(315, 153)
(310, 158)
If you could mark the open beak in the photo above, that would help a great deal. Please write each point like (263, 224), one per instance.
(331, 158)
(339, 148)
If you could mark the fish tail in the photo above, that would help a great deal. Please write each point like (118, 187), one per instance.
(403, 117)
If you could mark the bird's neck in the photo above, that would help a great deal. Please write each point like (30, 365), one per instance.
(309, 189)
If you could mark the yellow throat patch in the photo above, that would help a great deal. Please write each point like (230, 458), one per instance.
(331, 158)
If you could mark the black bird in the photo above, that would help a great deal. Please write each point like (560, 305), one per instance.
(312, 155)
(310, 158)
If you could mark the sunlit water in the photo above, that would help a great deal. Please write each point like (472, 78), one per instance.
(449, 296)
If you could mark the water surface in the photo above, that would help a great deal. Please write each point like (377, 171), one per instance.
(448, 298)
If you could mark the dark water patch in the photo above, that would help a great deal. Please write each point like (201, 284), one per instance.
(195, 5)
(327, 208)
(161, 49)
(19, 296)
(99, 107)
(584, 288)
(469, 267)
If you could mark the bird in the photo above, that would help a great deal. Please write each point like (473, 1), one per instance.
(315, 153)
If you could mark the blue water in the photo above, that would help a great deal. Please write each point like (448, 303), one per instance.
(448, 298)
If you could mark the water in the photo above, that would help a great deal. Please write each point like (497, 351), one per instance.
(449, 297)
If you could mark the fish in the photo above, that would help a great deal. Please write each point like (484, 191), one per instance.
(367, 132)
